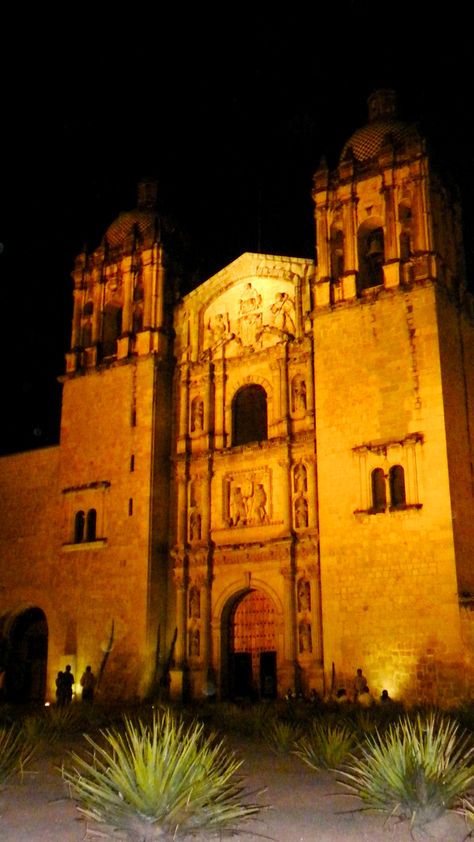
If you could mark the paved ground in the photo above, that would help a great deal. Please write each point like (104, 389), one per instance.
(305, 807)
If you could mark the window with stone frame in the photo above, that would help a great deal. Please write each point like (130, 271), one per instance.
(249, 415)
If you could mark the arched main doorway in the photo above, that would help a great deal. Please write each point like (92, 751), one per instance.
(252, 649)
(24, 654)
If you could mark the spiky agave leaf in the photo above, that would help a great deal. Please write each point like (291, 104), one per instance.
(326, 745)
(416, 769)
(164, 776)
(280, 736)
(15, 752)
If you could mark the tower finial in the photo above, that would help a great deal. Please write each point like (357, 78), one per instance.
(382, 105)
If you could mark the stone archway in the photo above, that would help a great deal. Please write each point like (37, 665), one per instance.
(251, 647)
(24, 654)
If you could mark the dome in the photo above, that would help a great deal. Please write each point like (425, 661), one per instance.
(367, 142)
(143, 223)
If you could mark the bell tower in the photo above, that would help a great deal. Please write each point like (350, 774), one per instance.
(393, 339)
(383, 217)
(122, 290)
(115, 441)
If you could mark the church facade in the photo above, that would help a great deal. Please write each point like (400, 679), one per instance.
(267, 482)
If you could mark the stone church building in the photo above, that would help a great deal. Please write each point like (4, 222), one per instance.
(267, 482)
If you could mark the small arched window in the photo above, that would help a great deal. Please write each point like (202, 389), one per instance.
(249, 415)
(112, 329)
(397, 487)
(91, 525)
(337, 254)
(371, 249)
(79, 521)
(379, 493)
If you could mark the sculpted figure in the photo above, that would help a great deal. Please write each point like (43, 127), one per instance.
(195, 525)
(304, 596)
(301, 513)
(238, 508)
(305, 638)
(298, 394)
(283, 313)
(260, 502)
(197, 415)
(300, 478)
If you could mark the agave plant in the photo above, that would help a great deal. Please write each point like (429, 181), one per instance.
(15, 753)
(326, 745)
(280, 736)
(159, 780)
(415, 770)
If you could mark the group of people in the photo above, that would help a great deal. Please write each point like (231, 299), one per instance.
(65, 684)
(361, 692)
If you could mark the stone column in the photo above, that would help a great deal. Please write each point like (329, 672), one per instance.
(219, 401)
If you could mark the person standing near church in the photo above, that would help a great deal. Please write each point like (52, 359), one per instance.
(67, 685)
(88, 685)
(359, 684)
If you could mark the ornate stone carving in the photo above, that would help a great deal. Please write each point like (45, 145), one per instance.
(283, 313)
(304, 595)
(194, 603)
(298, 395)
(247, 502)
(197, 415)
(194, 643)
(301, 512)
(300, 479)
(304, 637)
(195, 525)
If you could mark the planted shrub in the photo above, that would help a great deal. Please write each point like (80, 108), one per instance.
(326, 745)
(15, 753)
(415, 770)
(280, 736)
(159, 780)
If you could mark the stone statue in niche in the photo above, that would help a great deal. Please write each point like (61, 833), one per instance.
(283, 313)
(195, 493)
(305, 642)
(300, 478)
(195, 525)
(260, 502)
(197, 415)
(298, 394)
(194, 643)
(194, 604)
(301, 512)
(304, 595)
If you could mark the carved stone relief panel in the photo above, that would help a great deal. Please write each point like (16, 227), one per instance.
(251, 315)
(247, 498)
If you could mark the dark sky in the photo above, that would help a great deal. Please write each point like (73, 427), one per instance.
(231, 110)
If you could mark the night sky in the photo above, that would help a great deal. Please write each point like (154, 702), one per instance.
(230, 110)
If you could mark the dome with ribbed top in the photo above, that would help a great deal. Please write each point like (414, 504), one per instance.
(383, 127)
(143, 222)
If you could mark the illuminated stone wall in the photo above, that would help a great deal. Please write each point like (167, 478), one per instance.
(277, 465)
